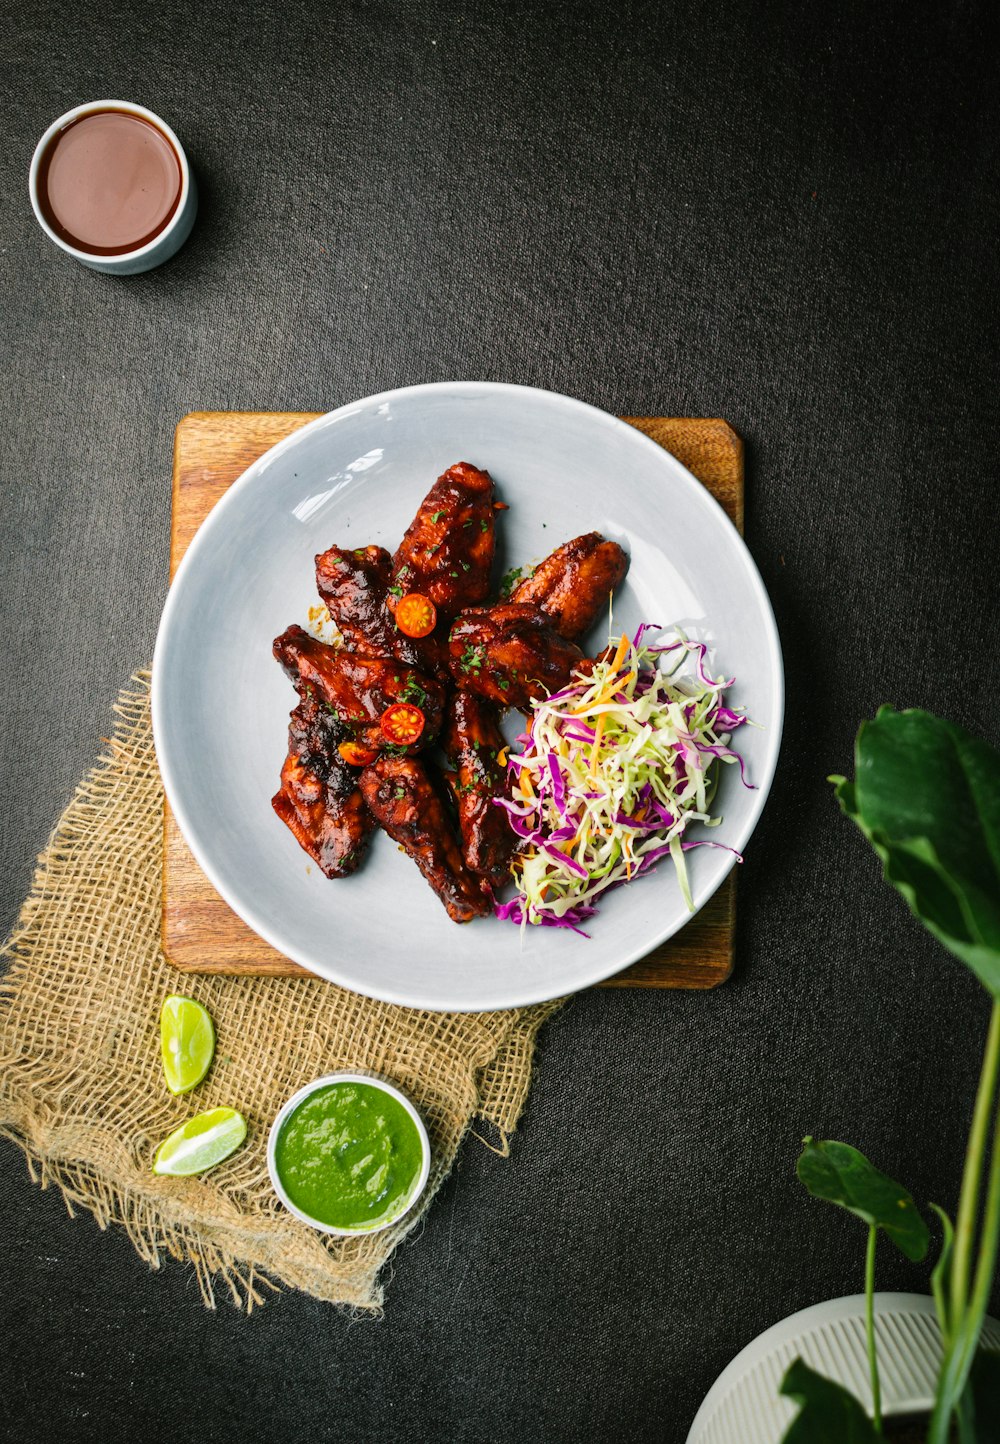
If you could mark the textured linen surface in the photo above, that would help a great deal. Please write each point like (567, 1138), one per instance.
(778, 213)
(80, 1083)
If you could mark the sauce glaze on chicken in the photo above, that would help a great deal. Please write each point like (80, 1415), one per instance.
(356, 701)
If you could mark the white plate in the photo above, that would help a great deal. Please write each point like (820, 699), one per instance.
(221, 702)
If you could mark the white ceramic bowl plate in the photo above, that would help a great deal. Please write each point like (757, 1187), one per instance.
(221, 702)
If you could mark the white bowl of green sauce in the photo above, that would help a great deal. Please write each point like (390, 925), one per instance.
(348, 1154)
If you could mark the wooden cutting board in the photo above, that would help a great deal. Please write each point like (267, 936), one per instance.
(201, 934)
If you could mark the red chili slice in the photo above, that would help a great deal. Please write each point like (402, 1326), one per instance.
(355, 755)
(402, 724)
(416, 615)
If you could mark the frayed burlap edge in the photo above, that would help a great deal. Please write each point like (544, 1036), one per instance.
(80, 1086)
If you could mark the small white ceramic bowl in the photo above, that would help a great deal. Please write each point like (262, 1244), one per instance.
(162, 246)
(374, 1082)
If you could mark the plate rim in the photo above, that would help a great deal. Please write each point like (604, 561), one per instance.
(531, 995)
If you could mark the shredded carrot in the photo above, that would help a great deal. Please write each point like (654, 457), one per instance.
(614, 684)
(622, 652)
(595, 752)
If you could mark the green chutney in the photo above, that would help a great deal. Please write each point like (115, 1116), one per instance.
(349, 1155)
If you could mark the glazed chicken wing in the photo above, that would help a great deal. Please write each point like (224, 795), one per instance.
(358, 690)
(572, 586)
(319, 799)
(510, 653)
(447, 551)
(353, 585)
(473, 741)
(400, 795)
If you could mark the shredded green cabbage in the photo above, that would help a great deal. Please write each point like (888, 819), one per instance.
(612, 772)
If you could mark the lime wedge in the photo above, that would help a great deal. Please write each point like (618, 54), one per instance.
(187, 1042)
(201, 1143)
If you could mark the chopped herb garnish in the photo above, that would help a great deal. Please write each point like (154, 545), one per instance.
(413, 692)
(510, 580)
(436, 516)
(395, 591)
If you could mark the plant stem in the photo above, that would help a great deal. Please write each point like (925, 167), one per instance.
(967, 1320)
(985, 1269)
(870, 1327)
(968, 1203)
(940, 1276)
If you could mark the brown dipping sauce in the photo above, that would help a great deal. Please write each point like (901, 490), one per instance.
(109, 182)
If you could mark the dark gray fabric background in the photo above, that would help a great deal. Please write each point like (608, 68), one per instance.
(785, 215)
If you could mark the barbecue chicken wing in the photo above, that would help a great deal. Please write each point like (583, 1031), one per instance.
(359, 689)
(355, 588)
(447, 551)
(473, 741)
(573, 585)
(401, 797)
(319, 799)
(353, 585)
(510, 653)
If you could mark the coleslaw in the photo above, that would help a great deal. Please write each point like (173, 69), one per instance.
(613, 770)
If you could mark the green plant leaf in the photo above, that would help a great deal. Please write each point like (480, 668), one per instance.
(828, 1413)
(840, 1174)
(926, 794)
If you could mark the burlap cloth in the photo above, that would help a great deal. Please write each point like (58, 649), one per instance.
(81, 1086)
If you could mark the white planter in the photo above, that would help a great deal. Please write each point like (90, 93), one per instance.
(743, 1405)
